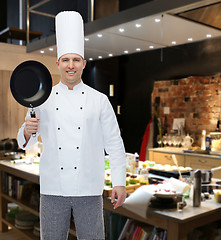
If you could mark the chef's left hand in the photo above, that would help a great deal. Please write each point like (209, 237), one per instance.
(118, 196)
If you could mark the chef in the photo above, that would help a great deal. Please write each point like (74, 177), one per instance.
(76, 124)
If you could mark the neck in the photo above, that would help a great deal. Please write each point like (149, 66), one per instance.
(71, 85)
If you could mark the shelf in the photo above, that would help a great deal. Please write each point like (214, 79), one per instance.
(28, 234)
(19, 34)
(23, 205)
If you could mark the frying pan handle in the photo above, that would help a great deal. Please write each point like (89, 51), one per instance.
(33, 115)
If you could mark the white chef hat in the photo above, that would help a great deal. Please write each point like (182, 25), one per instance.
(69, 33)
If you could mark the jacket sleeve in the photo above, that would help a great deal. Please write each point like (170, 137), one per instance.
(113, 143)
(21, 138)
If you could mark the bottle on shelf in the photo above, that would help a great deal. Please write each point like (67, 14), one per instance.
(203, 140)
(208, 142)
(165, 125)
(218, 124)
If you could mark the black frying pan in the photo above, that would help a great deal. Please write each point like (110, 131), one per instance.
(31, 84)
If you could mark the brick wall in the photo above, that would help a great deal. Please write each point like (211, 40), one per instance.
(197, 99)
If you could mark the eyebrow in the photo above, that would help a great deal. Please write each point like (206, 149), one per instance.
(75, 58)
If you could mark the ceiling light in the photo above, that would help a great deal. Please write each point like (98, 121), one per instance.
(121, 30)
(42, 51)
(190, 39)
(157, 20)
(51, 49)
(126, 51)
(173, 42)
(86, 39)
(138, 25)
(208, 35)
(138, 49)
(151, 46)
(90, 59)
(110, 55)
(99, 35)
(99, 57)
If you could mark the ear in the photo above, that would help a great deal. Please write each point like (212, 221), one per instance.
(84, 63)
(57, 63)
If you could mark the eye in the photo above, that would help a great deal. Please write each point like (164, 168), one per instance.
(76, 60)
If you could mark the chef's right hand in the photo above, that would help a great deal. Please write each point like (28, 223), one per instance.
(31, 126)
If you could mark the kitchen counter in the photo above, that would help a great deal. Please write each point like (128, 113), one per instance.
(178, 225)
(183, 151)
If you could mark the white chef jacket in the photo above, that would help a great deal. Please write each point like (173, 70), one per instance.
(75, 127)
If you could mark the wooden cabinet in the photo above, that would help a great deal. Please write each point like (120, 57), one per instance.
(166, 158)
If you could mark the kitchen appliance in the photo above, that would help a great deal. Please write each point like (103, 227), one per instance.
(206, 174)
(8, 144)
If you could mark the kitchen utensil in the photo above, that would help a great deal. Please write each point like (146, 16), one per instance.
(175, 162)
(31, 84)
(188, 141)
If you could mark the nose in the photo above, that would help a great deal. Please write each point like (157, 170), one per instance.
(71, 64)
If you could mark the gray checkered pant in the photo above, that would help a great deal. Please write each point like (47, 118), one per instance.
(55, 215)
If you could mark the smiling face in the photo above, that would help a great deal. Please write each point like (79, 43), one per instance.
(71, 67)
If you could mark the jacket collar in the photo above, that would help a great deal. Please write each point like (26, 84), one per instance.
(65, 87)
